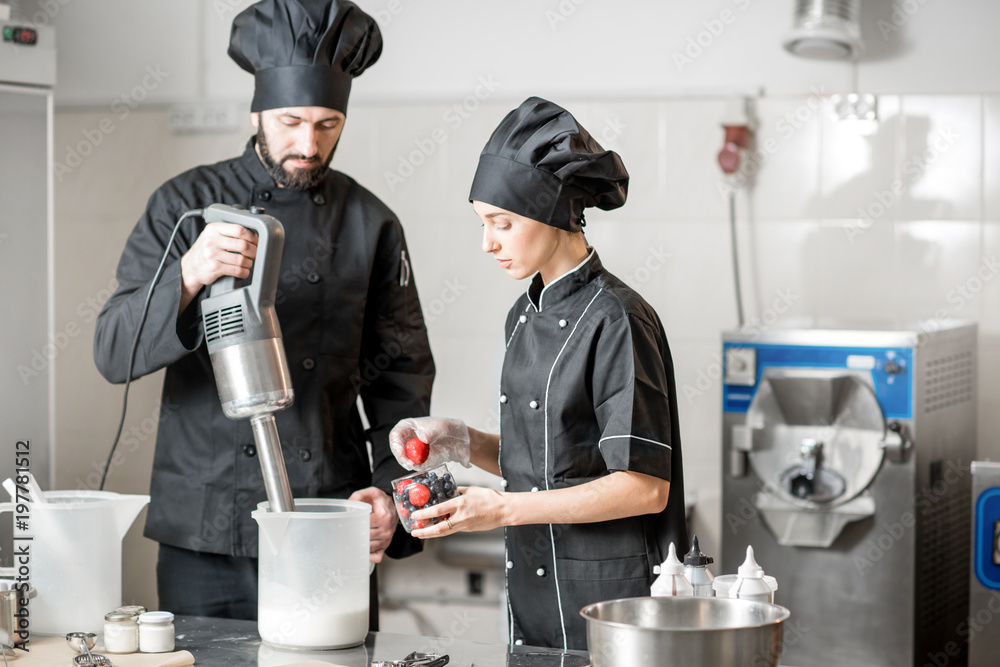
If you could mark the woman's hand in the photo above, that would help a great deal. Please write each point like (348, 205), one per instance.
(474, 509)
(447, 440)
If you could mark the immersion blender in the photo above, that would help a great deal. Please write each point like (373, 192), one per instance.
(244, 344)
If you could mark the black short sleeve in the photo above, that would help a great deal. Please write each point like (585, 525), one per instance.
(631, 397)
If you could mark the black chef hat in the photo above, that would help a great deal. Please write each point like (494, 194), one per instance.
(304, 53)
(542, 164)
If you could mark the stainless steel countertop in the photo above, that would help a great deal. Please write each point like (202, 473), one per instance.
(221, 641)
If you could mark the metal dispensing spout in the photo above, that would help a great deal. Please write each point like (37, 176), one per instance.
(803, 484)
(245, 346)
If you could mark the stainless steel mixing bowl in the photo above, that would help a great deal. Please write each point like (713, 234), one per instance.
(689, 631)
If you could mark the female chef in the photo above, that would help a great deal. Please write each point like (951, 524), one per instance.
(589, 451)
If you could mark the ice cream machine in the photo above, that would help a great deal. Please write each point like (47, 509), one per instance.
(846, 464)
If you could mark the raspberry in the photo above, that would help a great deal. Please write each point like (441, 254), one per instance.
(417, 450)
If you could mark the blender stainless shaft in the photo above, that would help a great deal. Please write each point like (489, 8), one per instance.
(272, 464)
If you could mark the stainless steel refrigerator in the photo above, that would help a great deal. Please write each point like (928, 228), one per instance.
(27, 344)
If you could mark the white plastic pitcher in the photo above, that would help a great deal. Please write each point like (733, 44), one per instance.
(74, 557)
(313, 574)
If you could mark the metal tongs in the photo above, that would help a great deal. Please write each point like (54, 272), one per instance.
(415, 660)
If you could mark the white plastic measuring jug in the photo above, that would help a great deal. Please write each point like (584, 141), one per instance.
(313, 574)
(72, 546)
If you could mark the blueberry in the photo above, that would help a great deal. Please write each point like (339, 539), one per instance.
(432, 475)
(447, 477)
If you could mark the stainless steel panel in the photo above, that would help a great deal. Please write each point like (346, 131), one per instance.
(892, 589)
(984, 601)
(28, 344)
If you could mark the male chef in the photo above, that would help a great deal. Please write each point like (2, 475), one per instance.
(346, 302)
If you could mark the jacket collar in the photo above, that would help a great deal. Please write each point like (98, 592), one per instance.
(541, 295)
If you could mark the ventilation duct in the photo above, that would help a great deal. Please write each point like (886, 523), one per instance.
(825, 29)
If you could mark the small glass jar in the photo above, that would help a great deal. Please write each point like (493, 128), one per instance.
(121, 633)
(156, 632)
(422, 489)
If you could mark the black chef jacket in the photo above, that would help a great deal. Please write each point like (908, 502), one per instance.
(587, 389)
(351, 324)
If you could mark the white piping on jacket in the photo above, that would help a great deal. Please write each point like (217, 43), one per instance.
(609, 437)
(542, 293)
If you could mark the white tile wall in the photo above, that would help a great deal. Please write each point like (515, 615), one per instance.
(802, 243)
(943, 149)
(788, 143)
(856, 167)
(991, 157)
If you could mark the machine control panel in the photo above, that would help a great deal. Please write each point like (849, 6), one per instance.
(741, 366)
(986, 542)
(888, 368)
(20, 35)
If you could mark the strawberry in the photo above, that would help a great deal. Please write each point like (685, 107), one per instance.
(417, 450)
(419, 495)
(403, 484)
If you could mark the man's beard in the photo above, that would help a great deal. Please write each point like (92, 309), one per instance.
(300, 179)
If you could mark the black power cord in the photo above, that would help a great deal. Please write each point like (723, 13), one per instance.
(138, 332)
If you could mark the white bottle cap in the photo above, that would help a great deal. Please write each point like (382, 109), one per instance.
(750, 569)
(672, 565)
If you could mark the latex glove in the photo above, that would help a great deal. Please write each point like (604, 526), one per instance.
(447, 439)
